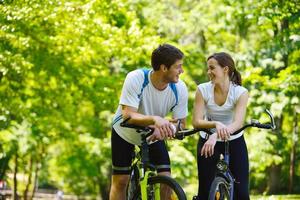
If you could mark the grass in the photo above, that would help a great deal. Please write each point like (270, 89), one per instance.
(276, 197)
(191, 190)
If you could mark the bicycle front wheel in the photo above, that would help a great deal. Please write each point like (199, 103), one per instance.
(164, 188)
(219, 189)
(133, 186)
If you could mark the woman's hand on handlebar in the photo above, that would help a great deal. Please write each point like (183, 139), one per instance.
(222, 131)
(208, 147)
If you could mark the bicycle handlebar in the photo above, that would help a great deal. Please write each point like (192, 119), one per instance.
(254, 123)
(181, 134)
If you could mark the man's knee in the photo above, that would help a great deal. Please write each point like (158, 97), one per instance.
(165, 173)
(120, 182)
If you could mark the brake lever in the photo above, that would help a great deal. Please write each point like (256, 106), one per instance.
(179, 128)
(272, 119)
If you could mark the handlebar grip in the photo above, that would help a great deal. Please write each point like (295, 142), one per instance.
(179, 136)
(265, 126)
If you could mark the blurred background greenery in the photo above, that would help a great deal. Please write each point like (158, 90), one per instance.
(62, 64)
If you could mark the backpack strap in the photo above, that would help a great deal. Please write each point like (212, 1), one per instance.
(146, 81)
(174, 89)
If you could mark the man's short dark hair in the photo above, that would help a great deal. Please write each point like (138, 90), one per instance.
(165, 54)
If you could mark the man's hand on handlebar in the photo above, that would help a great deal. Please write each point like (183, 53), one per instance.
(156, 135)
(164, 127)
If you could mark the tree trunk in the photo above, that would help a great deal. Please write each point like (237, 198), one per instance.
(25, 193)
(293, 153)
(35, 181)
(104, 187)
(202, 41)
(15, 194)
(274, 179)
(38, 166)
(275, 170)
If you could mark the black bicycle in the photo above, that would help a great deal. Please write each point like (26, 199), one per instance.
(144, 182)
(222, 186)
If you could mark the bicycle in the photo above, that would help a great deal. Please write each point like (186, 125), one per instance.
(222, 186)
(144, 182)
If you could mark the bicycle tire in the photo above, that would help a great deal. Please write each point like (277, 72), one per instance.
(175, 190)
(219, 189)
(133, 185)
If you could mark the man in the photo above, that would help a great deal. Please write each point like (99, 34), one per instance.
(147, 97)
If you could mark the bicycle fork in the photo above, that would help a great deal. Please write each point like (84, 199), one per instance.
(228, 174)
(144, 184)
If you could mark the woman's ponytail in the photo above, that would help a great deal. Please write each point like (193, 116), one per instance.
(236, 77)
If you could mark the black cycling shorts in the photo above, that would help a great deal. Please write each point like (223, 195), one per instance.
(122, 155)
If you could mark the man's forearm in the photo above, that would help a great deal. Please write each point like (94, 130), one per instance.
(140, 119)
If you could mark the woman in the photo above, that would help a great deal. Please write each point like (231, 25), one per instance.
(221, 105)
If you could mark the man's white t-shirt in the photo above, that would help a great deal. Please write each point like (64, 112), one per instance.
(150, 102)
(225, 112)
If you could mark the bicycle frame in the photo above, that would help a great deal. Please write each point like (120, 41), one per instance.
(146, 169)
(224, 171)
